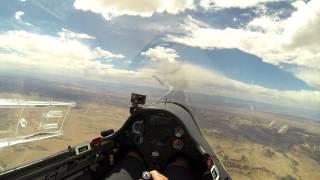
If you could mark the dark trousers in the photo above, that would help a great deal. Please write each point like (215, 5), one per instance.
(131, 168)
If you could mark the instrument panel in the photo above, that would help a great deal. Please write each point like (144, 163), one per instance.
(155, 135)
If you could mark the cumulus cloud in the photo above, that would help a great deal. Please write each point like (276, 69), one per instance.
(67, 34)
(289, 41)
(160, 53)
(195, 78)
(19, 14)
(209, 4)
(98, 51)
(302, 28)
(53, 54)
(310, 76)
(298, 4)
(144, 8)
(266, 24)
(107, 54)
(164, 62)
(199, 79)
(209, 81)
(254, 42)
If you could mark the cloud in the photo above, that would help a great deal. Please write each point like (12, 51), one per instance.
(164, 63)
(47, 54)
(302, 28)
(144, 8)
(220, 4)
(107, 54)
(310, 76)
(160, 53)
(18, 15)
(209, 81)
(298, 4)
(97, 52)
(37, 53)
(254, 42)
(186, 76)
(292, 41)
(66, 34)
(195, 78)
(266, 24)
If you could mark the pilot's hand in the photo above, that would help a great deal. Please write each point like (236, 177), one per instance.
(157, 176)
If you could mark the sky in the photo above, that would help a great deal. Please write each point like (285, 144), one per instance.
(261, 50)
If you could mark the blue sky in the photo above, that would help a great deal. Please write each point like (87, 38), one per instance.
(249, 47)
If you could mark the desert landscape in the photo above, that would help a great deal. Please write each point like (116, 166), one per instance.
(251, 144)
(264, 146)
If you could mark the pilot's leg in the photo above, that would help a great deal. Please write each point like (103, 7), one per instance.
(179, 169)
(131, 167)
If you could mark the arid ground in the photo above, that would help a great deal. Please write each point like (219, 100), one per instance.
(251, 144)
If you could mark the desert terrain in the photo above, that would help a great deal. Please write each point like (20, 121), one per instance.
(251, 144)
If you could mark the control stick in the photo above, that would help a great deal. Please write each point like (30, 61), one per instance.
(146, 175)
